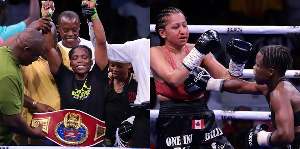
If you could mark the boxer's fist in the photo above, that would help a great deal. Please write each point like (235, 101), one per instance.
(252, 138)
(87, 12)
(196, 81)
(238, 50)
(90, 3)
(209, 41)
(88, 9)
(47, 9)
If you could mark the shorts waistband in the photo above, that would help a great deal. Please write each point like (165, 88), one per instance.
(171, 107)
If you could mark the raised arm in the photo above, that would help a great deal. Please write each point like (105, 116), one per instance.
(90, 12)
(34, 12)
(11, 30)
(53, 57)
(41, 24)
(163, 71)
(100, 49)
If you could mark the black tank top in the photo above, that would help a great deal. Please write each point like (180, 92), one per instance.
(296, 115)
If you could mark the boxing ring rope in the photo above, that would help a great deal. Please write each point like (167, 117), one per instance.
(253, 115)
(228, 29)
(247, 73)
(228, 115)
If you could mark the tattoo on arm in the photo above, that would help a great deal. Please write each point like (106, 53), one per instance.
(180, 67)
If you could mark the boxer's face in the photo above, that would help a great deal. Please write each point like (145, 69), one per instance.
(176, 30)
(260, 71)
(81, 61)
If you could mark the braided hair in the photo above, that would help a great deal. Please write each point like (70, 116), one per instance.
(277, 56)
(163, 19)
(80, 46)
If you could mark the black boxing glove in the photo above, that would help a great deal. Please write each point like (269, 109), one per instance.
(258, 137)
(87, 12)
(209, 41)
(239, 52)
(124, 132)
(200, 80)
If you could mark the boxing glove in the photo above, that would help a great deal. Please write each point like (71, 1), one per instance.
(209, 41)
(258, 137)
(124, 132)
(239, 52)
(88, 9)
(199, 80)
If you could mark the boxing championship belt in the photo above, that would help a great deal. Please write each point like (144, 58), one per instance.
(70, 127)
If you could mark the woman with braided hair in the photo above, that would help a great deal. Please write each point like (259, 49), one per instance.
(184, 119)
(272, 61)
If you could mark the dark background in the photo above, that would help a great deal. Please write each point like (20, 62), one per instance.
(119, 29)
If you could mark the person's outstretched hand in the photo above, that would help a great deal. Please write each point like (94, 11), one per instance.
(41, 108)
(43, 24)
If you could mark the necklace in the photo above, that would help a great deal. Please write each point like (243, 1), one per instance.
(119, 89)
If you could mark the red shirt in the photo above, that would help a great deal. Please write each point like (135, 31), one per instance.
(174, 93)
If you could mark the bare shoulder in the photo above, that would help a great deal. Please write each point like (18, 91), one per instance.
(156, 50)
(288, 88)
(284, 90)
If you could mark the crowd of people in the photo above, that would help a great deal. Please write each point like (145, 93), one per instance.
(73, 73)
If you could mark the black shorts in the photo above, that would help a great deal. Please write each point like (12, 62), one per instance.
(141, 129)
(187, 125)
(296, 142)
